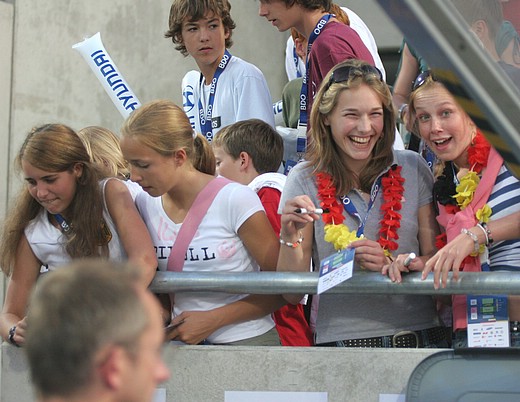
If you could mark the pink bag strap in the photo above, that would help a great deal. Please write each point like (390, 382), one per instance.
(192, 221)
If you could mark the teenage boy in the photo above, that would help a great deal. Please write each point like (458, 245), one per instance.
(227, 89)
(329, 41)
(250, 152)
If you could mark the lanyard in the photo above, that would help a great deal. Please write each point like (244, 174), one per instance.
(205, 116)
(63, 224)
(350, 208)
(429, 156)
(303, 93)
(301, 140)
(296, 60)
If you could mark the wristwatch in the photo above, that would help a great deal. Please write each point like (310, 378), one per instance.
(10, 338)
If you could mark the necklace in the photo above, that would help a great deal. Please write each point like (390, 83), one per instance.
(337, 233)
(456, 195)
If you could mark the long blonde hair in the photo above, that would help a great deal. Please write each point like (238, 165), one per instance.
(324, 154)
(57, 148)
(164, 127)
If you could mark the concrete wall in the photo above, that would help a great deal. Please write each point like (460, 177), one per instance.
(204, 373)
(51, 82)
(386, 33)
(6, 49)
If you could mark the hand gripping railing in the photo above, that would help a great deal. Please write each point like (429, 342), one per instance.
(307, 282)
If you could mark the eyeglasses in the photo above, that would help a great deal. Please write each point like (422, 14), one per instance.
(421, 79)
(342, 74)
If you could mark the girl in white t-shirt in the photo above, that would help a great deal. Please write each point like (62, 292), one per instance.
(64, 212)
(173, 165)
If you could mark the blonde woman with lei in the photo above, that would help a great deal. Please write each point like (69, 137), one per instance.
(375, 200)
(174, 165)
(65, 211)
(473, 188)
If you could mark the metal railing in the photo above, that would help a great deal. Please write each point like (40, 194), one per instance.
(362, 282)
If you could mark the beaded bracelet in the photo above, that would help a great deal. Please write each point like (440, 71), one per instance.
(292, 245)
(488, 232)
(476, 246)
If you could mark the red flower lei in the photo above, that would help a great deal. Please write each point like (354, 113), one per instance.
(393, 190)
(478, 154)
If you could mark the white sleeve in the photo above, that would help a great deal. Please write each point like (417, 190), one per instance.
(253, 99)
(358, 25)
(290, 67)
(190, 96)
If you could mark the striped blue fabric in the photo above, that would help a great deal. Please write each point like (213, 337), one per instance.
(505, 200)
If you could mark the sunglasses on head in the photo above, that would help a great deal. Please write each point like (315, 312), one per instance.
(421, 79)
(342, 74)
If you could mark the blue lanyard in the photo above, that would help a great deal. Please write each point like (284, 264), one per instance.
(63, 224)
(205, 116)
(350, 208)
(429, 156)
(303, 93)
(296, 60)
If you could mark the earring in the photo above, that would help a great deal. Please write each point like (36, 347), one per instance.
(473, 135)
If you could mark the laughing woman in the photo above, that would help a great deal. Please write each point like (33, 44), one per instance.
(474, 189)
(375, 200)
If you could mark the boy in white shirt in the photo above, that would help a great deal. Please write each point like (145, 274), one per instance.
(227, 89)
(249, 152)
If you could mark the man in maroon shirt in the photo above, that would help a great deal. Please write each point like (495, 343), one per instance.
(329, 41)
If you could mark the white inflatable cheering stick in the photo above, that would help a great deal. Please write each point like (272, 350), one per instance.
(104, 68)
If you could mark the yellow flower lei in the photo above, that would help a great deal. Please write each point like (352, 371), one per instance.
(465, 192)
(340, 236)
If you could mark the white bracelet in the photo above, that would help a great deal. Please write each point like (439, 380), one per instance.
(485, 233)
(476, 245)
(292, 245)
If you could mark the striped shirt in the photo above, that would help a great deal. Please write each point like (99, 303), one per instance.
(505, 200)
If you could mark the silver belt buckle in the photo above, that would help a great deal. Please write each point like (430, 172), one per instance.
(403, 333)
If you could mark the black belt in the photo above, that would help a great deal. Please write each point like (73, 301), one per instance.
(403, 339)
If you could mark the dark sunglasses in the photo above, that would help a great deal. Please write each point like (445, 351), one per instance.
(342, 74)
(421, 79)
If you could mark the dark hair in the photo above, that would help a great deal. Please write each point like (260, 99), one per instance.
(261, 142)
(194, 10)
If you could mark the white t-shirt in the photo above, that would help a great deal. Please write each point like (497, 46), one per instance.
(357, 24)
(242, 93)
(133, 187)
(215, 247)
(48, 242)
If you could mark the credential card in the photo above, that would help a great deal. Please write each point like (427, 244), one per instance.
(335, 269)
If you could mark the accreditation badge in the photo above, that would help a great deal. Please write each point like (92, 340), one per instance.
(335, 269)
